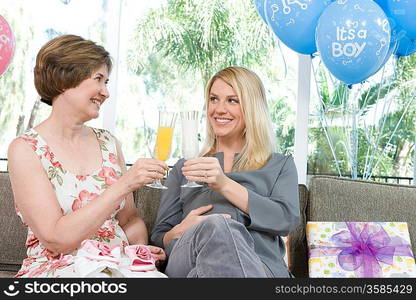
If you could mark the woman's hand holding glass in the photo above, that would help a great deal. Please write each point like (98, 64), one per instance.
(142, 172)
(205, 169)
(190, 147)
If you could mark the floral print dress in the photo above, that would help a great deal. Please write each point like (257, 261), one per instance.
(73, 192)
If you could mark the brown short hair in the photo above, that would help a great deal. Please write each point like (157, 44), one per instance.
(64, 62)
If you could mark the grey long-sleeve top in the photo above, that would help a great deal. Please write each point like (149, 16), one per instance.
(273, 206)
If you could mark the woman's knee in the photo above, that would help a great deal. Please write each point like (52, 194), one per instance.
(220, 222)
(214, 221)
(221, 225)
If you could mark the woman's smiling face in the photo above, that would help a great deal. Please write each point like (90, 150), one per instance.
(224, 111)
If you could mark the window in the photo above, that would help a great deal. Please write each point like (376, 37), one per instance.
(160, 61)
(165, 51)
(366, 130)
(149, 73)
(165, 65)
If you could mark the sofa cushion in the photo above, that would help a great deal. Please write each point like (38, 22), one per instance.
(13, 232)
(340, 199)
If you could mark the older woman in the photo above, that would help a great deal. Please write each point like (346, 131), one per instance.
(232, 225)
(70, 183)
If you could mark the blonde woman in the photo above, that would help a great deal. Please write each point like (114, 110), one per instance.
(232, 225)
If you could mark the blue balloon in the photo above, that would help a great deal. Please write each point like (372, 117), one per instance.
(294, 22)
(393, 28)
(397, 32)
(400, 43)
(405, 47)
(353, 39)
(383, 4)
(404, 14)
(259, 4)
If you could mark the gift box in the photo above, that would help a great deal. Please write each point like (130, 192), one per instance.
(359, 249)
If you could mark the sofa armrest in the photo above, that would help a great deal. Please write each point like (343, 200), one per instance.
(147, 201)
(297, 239)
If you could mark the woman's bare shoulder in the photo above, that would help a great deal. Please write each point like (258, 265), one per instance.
(20, 151)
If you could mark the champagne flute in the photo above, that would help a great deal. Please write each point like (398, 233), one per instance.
(190, 148)
(163, 142)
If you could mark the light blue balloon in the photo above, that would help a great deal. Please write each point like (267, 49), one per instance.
(259, 4)
(294, 22)
(392, 48)
(353, 39)
(405, 47)
(390, 52)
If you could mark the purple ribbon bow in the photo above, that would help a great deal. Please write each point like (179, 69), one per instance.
(362, 247)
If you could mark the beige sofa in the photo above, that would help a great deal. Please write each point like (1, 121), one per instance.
(325, 199)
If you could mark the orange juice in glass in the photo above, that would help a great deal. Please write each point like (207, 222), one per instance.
(163, 143)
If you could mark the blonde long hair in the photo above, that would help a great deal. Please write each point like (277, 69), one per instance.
(259, 138)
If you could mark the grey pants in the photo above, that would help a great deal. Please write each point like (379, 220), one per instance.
(216, 247)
